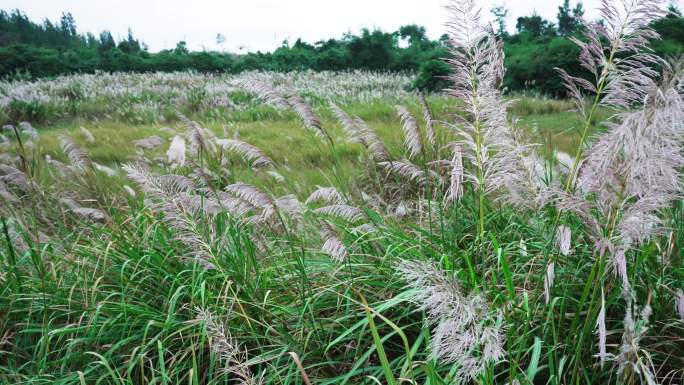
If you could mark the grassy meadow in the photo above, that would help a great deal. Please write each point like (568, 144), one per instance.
(336, 228)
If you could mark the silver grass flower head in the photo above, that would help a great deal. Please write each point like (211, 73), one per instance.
(601, 326)
(201, 139)
(406, 170)
(455, 190)
(227, 348)
(412, 137)
(328, 195)
(291, 206)
(84, 212)
(364, 229)
(74, 152)
(564, 160)
(679, 303)
(265, 92)
(631, 354)
(401, 210)
(129, 191)
(429, 121)
(465, 331)
(14, 177)
(278, 177)
(517, 172)
(351, 130)
(6, 194)
(643, 154)
(580, 206)
(306, 113)
(372, 141)
(256, 198)
(87, 135)
(163, 186)
(27, 129)
(522, 248)
(248, 152)
(619, 262)
(184, 212)
(548, 280)
(332, 245)
(625, 29)
(563, 239)
(104, 169)
(344, 212)
(176, 152)
(486, 139)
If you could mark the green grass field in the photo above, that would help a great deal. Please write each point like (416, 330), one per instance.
(300, 155)
(117, 267)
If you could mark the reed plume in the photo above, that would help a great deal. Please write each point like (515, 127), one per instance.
(328, 195)
(466, 331)
(246, 151)
(87, 135)
(412, 137)
(615, 51)
(332, 245)
(429, 121)
(227, 348)
(75, 153)
(484, 134)
(176, 152)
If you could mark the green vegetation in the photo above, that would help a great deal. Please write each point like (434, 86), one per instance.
(28, 49)
(335, 228)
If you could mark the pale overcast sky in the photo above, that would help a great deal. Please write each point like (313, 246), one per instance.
(260, 24)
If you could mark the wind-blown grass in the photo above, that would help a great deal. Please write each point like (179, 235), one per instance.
(430, 243)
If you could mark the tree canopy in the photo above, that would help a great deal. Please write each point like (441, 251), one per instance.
(47, 49)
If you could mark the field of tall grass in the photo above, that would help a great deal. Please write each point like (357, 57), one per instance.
(335, 228)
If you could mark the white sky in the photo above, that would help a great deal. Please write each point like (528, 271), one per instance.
(260, 24)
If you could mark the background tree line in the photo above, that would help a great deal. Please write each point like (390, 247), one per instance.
(47, 49)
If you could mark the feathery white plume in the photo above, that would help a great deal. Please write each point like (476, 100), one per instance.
(563, 239)
(87, 135)
(328, 195)
(264, 92)
(372, 141)
(227, 349)
(73, 151)
(429, 122)
(176, 152)
(455, 190)
(466, 331)
(412, 138)
(246, 151)
(601, 326)
(344, 212)
(129, 190)
(27, 129)
(85, 212)
(332, 245)
(407, 170)
(104, 169)
(631, 354)
(548, 280)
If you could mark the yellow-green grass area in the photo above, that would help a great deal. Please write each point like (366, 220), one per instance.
(301, 156)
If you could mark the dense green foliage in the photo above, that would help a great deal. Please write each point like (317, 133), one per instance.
(28, 49)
